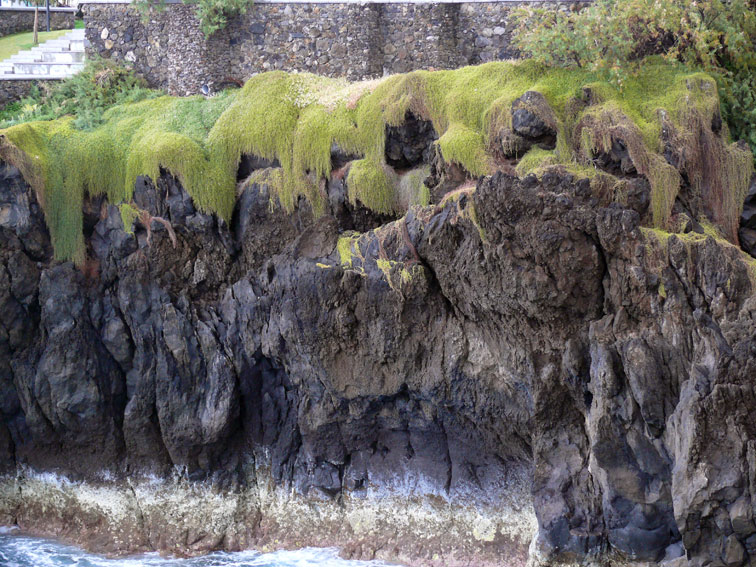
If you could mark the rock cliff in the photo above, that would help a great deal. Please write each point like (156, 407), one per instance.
(516, 361)
(453, 320)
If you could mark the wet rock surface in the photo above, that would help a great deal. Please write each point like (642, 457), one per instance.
(519, 329)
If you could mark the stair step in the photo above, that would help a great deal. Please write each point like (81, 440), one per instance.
(42, 49)
(57, 58)
(46, 68)
(48, 57)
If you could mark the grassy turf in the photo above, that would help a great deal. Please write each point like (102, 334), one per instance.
(12, 44)
(296, 118)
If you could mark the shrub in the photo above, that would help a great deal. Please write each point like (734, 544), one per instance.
(614, 36)
(86, 96)
(213, 15)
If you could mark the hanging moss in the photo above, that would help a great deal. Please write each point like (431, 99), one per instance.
(372, 184)
(412, 190)
(297, 118)
(129, 214)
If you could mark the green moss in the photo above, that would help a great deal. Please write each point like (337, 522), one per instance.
(463, 145)
(372, 184)
(407, 274)
(412, 189)
(534, 160)
(129, 214)
(297, 118)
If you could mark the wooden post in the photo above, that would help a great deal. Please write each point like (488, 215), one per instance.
(36, 24)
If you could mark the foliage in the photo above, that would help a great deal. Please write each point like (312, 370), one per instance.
(738, 94)
(213, 15)
(99, 86)
(10, 111)
(296, 119)
(614, 36)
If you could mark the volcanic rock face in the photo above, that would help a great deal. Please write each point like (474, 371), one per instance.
(518, 330)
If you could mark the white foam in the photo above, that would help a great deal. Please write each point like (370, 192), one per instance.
(7, 529)
(405, 504)
(22, 551)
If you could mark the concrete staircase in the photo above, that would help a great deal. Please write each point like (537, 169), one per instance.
(54, 59)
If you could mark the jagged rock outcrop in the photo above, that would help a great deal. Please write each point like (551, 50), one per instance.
(515, 330)
(747, 232)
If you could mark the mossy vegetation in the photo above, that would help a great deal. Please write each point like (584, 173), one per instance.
(129, 214)
(348, 248)
(396, 273)
(297, 118)
(412, 189)
(657, 249)
(535, 160)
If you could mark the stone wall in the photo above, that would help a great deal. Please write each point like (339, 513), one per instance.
(15, 20)
(353, 40)
(14, 90)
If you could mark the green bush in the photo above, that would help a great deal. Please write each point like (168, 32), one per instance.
(738, 94)
(614, 37)
(9, 111)
(86, 96)
(213, 15)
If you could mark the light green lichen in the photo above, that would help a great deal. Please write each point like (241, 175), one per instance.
(348, 247)
(397, 274)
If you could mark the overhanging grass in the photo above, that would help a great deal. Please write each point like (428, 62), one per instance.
(296, 119)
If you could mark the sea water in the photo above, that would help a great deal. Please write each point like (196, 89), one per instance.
(22, 551)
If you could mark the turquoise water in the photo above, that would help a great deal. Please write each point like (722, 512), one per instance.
(22, 551)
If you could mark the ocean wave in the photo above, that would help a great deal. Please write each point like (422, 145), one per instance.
(23, 551)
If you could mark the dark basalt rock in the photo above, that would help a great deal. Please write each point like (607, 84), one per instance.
(409, 144)
(747, 232)
(526, 120)
(617, 161)
(544, 333)
(534, 121)
(250, 163)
